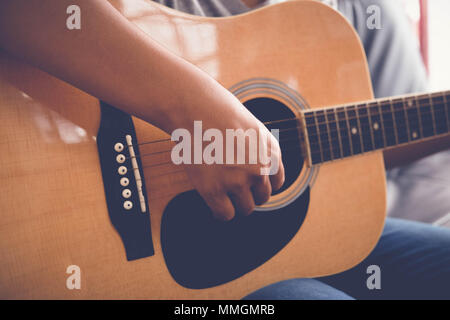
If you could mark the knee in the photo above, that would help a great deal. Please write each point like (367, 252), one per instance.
(298, 289)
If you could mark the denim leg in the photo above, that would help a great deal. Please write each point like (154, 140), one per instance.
(298, 289)
(414, 260)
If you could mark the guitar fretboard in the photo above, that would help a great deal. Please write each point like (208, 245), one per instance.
(344, 131)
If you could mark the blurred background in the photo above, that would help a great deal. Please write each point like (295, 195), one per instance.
(430, 19)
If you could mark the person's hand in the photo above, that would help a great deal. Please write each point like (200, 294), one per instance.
(231, 189)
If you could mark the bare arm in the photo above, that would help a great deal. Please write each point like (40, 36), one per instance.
(407, 154)
(109, 57)
(113, 60)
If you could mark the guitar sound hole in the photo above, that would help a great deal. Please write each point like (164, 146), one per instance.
(202, 252)
(268, 110)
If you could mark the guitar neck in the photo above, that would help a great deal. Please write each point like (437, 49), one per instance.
(345, 131)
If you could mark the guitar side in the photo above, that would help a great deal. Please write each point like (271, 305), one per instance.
(53, 205)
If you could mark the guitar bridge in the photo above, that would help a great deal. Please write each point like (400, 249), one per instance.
(124, 187)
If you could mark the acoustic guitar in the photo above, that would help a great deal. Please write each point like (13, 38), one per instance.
(86, 185)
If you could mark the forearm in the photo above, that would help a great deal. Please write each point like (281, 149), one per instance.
(407, 154)
(109, 57)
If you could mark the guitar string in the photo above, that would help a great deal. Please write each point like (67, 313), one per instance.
(327, 121)
(356, 117)
(321, 151)
(185, 179)
(312, 152)
(163, 151)
(170, 162)
(346, 130)
(441, 180)
(283, 150)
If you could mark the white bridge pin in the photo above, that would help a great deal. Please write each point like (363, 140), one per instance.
(122, 170)
(124, 181)
(120, 158)
(126, 193)
(128, 205)
(118, 147)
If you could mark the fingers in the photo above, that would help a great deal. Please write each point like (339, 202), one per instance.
(221, 206)
(262, 190)
(277, 180)
(238, 189)
(277, 168)
(243, 201)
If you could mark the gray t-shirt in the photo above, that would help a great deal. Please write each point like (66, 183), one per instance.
(218, 8)
(209, 8)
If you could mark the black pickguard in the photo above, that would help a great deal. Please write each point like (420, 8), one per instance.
(201, 252)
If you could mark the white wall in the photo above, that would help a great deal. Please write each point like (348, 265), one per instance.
(439, 44)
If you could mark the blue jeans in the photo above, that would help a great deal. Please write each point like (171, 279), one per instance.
(414, 261)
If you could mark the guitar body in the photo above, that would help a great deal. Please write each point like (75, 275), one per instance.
(54, 211)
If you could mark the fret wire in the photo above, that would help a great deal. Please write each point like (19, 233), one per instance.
(319, 138)
(339, 134)
(332, 133)
(440, 115)
(408, 130)
(372, 134)
(329, 136)
(359, 130)
(415, 110)
(375, 107)
(433, 119)
(447, 106)
(343, 126)
(382, 124)
(423, 116)
(394, 122)
(447, 113)
(378, 106)
(400, 120)
(365, 127)
(312, 140)
(350, 140)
